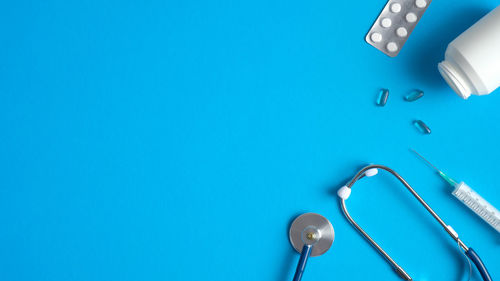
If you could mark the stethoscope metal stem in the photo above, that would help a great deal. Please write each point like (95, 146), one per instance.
(398, 268)
(415, 194)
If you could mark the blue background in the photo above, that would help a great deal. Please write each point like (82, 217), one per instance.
(176, 140)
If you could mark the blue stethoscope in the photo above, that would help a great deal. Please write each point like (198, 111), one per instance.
(312, 234)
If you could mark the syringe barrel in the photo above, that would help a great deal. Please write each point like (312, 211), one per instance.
(477, 204)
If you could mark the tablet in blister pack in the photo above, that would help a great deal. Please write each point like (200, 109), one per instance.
(395, 24)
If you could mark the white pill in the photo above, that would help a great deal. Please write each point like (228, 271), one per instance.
(376, 37)
(392, 47)
(386, 22)
(396, 8)
(420, 3)
(411, 17)
(401, 32)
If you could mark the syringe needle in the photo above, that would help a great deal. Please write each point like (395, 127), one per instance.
(451, 181)
(427, 161)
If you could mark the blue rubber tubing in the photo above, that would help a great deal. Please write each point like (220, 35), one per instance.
(306, 252)
(473, 256)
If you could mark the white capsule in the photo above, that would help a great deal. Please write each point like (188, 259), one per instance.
(376, 37)
(411, 17)
(396, 8)
(386, 22)
(401, 32)
(392, 47)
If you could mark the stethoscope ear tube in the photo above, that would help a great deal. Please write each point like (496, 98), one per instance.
(473, 256)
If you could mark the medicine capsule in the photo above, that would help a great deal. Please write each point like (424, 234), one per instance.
(376, 37)
(422, 127)
(414, 95)
(411, 17)
(386, 22)
(392, 47)
(382, 97)
(421, 3)
(396, 8)
(401, 32)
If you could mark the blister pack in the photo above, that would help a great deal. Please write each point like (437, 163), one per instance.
(395, 24)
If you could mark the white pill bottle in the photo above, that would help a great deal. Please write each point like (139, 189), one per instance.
(472, 61)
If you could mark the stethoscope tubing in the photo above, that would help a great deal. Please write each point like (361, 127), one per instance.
(301, 266)
(473, 256)
(469, 252)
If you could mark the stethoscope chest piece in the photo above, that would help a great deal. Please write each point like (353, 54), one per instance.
(314, 230)
(311, 235)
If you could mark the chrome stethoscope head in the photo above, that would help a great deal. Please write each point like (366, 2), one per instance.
(371, 170)
(314, 230)
(311, 235)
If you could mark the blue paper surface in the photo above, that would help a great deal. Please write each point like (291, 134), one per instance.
(176, 140)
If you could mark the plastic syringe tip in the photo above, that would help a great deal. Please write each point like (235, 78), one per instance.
(449, 180)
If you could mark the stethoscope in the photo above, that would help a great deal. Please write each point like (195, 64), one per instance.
(371, 170)
(312, 234)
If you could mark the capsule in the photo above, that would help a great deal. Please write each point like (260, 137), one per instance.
(382, 97)
(414, 95)
(422, 127)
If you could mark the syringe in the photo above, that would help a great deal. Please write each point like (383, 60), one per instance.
(470, 198)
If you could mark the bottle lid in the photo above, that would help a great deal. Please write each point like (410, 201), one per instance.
(455, 79)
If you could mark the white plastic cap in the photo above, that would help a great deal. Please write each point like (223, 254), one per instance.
(371, 172)
(344, 192)
(455, 79)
